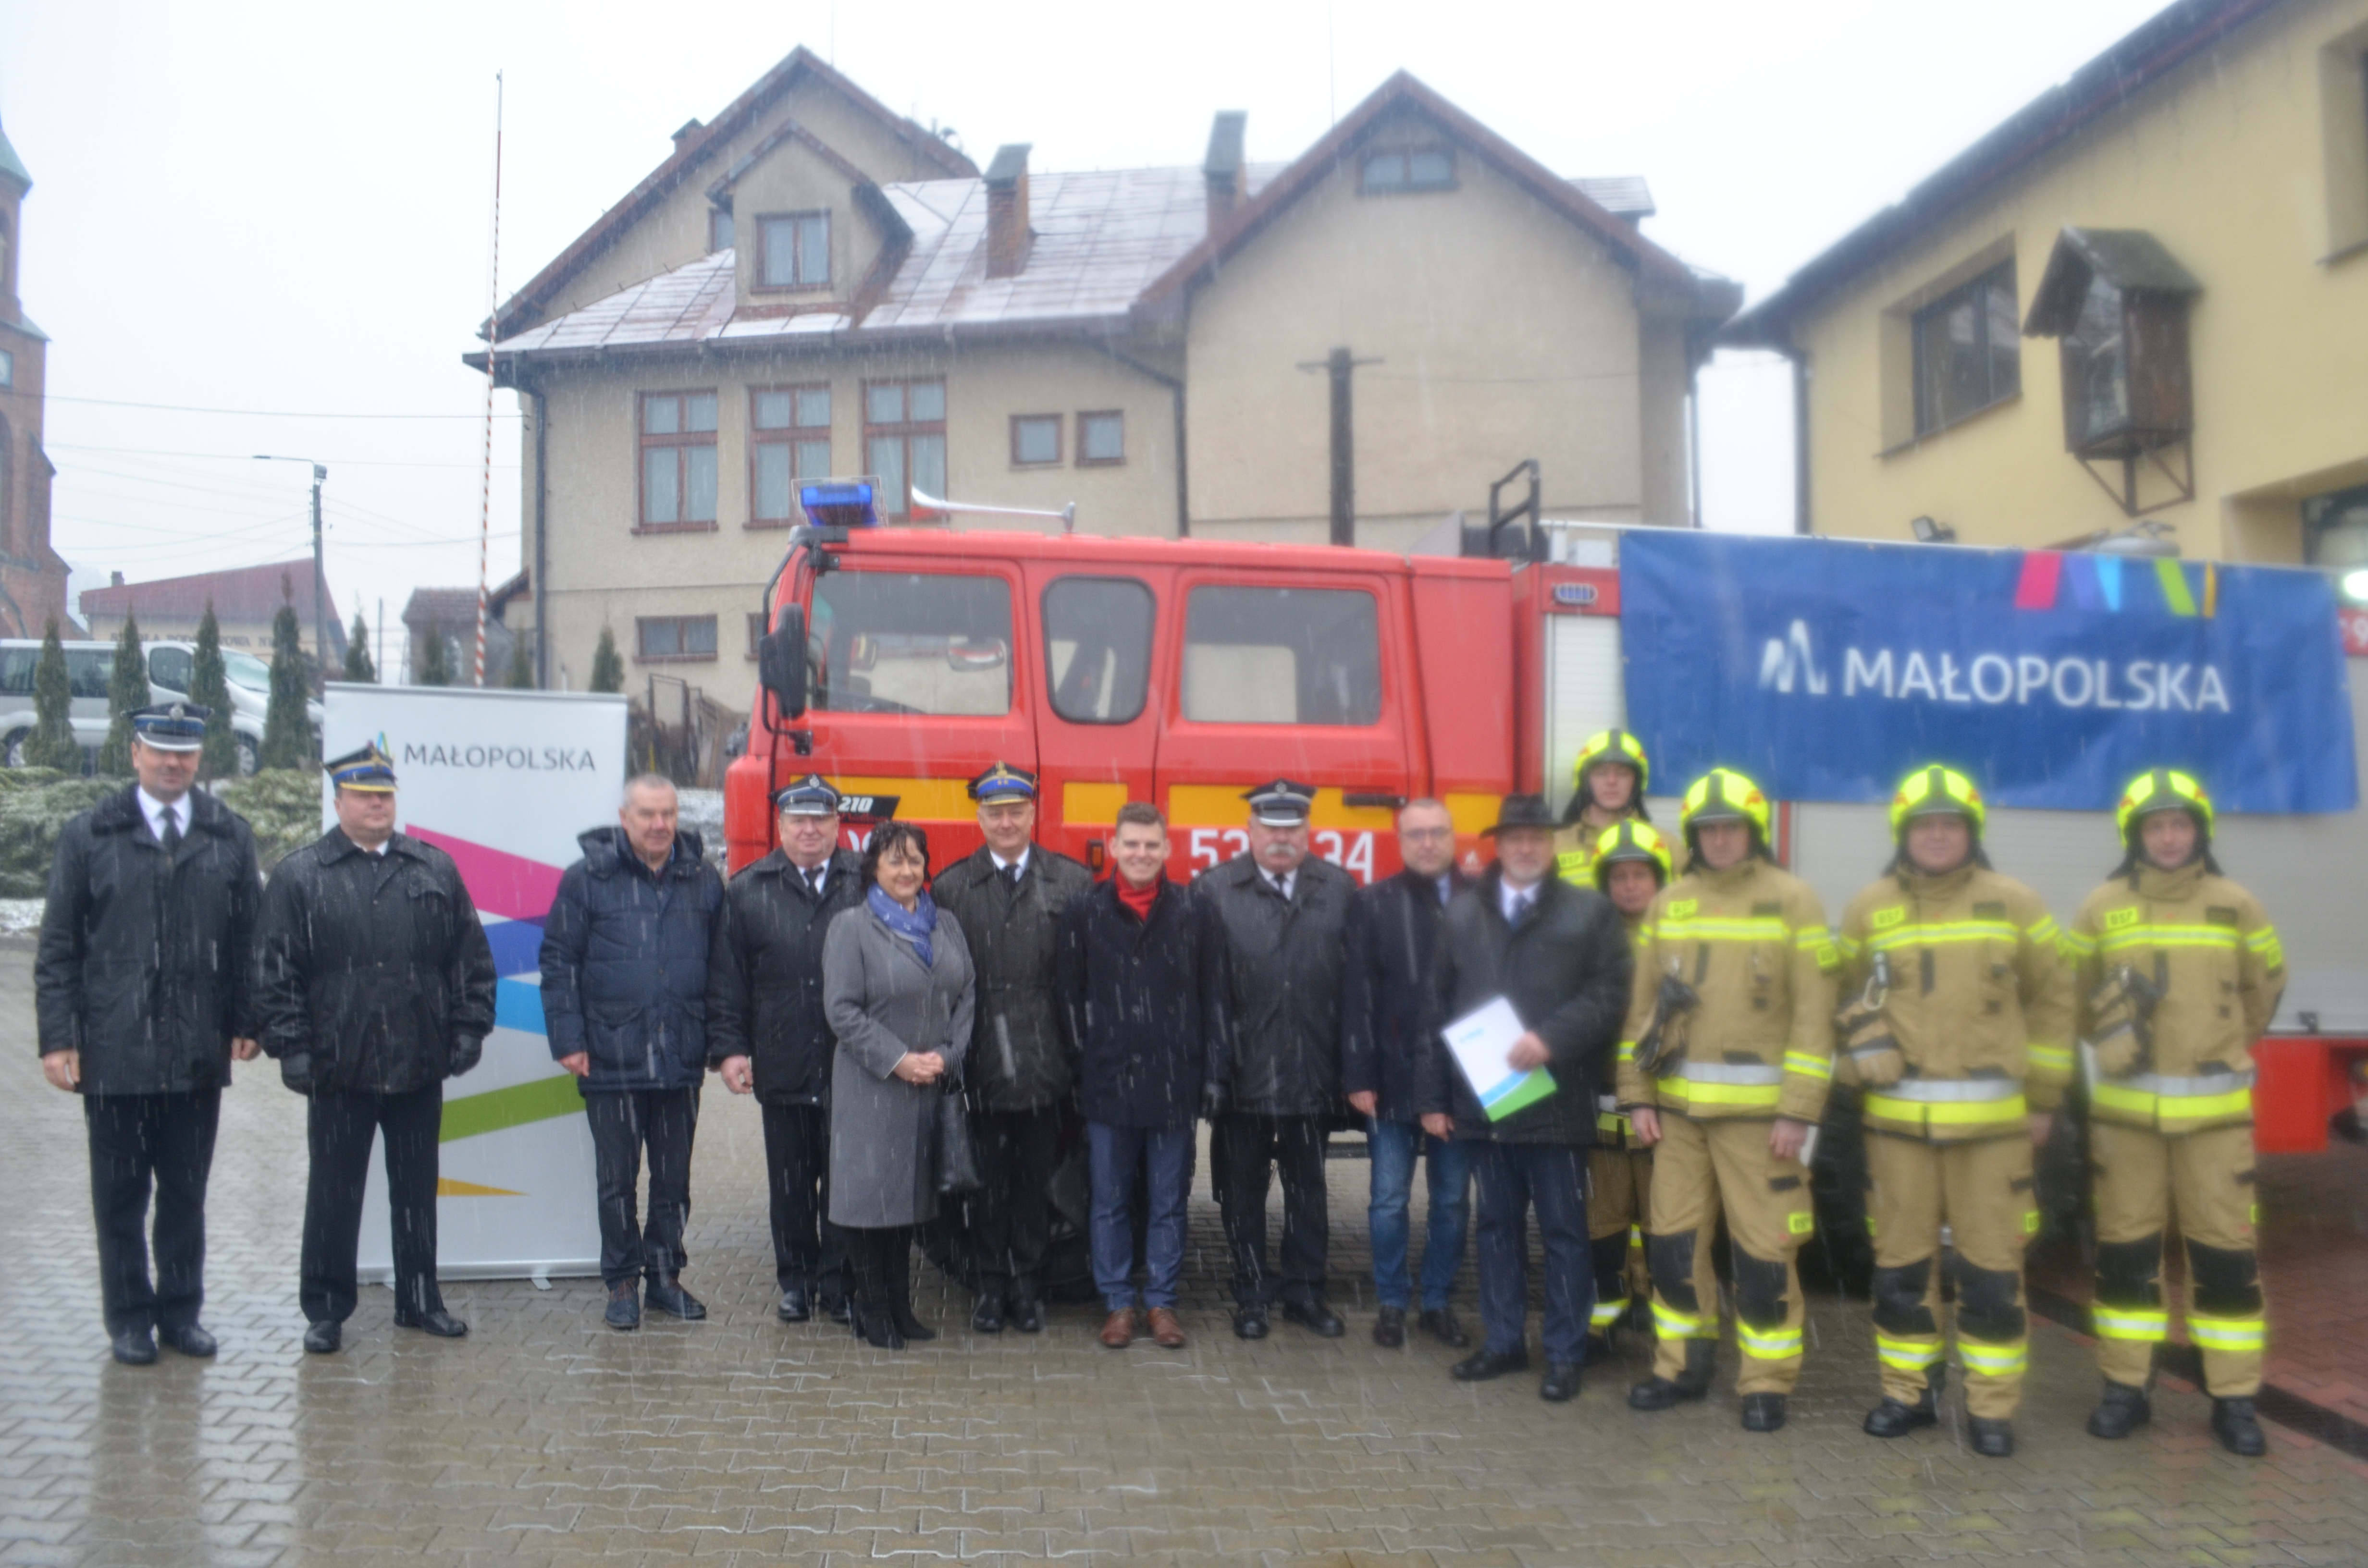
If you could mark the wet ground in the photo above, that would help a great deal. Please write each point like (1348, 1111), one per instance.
(545, 1436)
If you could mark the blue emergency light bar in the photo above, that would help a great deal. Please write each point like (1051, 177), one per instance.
(840, 504)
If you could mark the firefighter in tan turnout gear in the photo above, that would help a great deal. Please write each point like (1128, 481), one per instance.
(2180, 973)
(1723, 1069)
(1611, 771)
(1630, 863)
(1957, 1021)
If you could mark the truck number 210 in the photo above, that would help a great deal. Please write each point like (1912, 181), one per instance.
(1352, 852)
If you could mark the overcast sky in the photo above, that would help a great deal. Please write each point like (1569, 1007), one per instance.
(283, 210)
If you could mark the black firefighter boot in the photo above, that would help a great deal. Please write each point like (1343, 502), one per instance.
(2233, 1423)
(1692, 1381)
(2123, 1411)
(1893, 1419)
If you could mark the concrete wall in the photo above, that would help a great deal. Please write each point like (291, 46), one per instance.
(1504, 333)
(2250, 165)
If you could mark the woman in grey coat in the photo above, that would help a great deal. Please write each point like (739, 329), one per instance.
(898, 987)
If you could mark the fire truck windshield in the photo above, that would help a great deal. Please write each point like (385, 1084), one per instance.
(909, 643)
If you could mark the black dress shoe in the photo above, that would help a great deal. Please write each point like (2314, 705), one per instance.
(322, 1338)
(1482, 1364)
(439, 1322)
(623, 1311)
(1560, 1383)
(1993, 1440)
(1249, 1323)
(795, 1307)
(135, 1346)
(1315, 1317)
(2123, 1411)
(1028, 1317)
(1893, 1419)
(988, 1317)
(877, 1328)
(2239, 1432)
(1440, 1324)
(665, 1293)
(912, 1328)
(838, 1309)
(1763, 1412)
(189, 1340)
(1389, 1328)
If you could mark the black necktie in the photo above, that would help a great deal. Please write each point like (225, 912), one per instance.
(814, 879)
(1012, 872)
(172, 839)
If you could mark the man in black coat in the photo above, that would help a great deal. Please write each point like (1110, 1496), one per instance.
(1008, 895)
(373, 984)
(624, 999)
(1141, 981)
(1403, 914)
(141, 989)
(1559, 954)
(1297, 1042)
(767, 1032)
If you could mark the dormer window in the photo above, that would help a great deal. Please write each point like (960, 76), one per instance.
(793, 250)
(1390, 170)
(719, 232)
(2117, 301)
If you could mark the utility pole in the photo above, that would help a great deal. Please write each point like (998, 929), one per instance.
(320, 578)
(1340, 365)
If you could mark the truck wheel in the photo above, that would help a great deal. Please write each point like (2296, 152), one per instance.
(250, 758)
(13, 747)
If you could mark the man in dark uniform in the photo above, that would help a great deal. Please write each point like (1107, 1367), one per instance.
(142, 993)
(374, 983)
(767, 1032)
(1298, 1044)
(1008, 895)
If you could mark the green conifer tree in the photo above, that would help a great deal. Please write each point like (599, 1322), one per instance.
(127, 688)
(358, 663)
(52, 743)
(607, 667)
(434, 660)
(287, 731)
(210, 689)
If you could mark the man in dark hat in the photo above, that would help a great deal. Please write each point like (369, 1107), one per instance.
(374, 983)
(141, 989)
(1008, 895)
(1298, 1043)
(1559, 954)
(766, 1033)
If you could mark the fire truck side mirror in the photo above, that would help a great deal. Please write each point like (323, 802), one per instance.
(781, 662)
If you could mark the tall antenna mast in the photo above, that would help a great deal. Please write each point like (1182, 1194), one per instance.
(492, 336)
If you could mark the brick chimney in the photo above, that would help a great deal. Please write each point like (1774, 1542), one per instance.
(685, 131)
(1008, 236)
(1222, 168)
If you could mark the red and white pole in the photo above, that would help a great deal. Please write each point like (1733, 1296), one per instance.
(493, 333)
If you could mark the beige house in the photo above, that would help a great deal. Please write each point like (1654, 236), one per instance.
(2139, 303)
(811, 286)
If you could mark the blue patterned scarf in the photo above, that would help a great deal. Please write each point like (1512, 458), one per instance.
(913, 927)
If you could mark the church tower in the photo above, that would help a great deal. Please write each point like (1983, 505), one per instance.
(32, 577)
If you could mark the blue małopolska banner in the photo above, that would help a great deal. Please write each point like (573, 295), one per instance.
(1826, 669)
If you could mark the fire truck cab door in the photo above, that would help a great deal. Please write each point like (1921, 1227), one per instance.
(1095, 689)
(915, 687)
(1294, 676)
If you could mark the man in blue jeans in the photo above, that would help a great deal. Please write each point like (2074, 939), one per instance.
(1403, 916)
(1138, 975)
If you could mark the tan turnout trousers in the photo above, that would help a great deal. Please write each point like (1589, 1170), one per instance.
(1619, 1198)
(2204, 1181)
(1982, 1191)
(1704, 1168)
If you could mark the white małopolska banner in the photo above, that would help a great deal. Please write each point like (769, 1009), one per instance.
(502, 781)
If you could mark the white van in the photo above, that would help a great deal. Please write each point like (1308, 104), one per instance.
(170, 667)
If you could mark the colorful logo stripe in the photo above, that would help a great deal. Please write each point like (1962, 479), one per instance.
(2053, 580)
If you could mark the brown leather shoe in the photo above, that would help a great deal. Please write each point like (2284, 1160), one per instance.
(1166, 1329)
(1118, 1329)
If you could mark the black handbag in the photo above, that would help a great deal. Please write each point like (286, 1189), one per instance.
(954, 1156)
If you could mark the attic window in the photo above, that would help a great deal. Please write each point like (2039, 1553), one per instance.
(793, 251)
(7, 368)
(1390, 170)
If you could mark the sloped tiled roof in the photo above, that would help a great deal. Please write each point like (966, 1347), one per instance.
(250, 595)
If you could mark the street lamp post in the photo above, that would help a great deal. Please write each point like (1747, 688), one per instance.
(320, 578)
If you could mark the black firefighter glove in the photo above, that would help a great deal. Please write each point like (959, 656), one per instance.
(1664, 1043)
(1868, 1045)
(296, 1071)
(467, 1051)
(2121, 1014)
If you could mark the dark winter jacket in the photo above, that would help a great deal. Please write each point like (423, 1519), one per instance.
(146, 967)
(1566, 971)
(1298, 1034)
(1402, 919)
(1142, 1004)
(763, 975)
(372, 973)
(1017, 1059)
(624, 963)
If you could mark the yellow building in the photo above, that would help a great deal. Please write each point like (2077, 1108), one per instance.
(810, 285)
(2178, 235)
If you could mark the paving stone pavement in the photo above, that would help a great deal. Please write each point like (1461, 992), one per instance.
(545, 1437)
